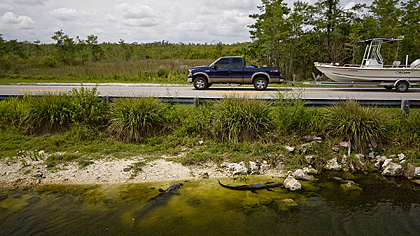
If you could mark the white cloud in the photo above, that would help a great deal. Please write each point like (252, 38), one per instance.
(135, 12)
(17, 22)
(67, 14)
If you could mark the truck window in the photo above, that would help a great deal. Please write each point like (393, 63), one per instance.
(236, 63)
(222, 63)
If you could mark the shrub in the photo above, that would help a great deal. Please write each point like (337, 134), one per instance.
(85, 107)
(359, 125)
(291, 115)
(241, 119)
(134, 119)
(48, 112)
(198, 122)
(11, 111)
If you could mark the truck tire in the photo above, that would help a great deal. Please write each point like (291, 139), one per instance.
(200, 83)
(260, 83)
(402, 86)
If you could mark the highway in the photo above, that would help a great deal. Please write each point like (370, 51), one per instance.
(134, 90)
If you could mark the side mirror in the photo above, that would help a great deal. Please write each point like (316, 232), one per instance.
(214, 67)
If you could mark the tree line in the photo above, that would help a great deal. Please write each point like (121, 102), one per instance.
(293, 37)
(326, 31)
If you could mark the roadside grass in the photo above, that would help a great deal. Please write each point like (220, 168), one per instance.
(75, 127)
(161, 71)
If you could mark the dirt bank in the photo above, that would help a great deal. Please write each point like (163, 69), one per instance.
(33, 172)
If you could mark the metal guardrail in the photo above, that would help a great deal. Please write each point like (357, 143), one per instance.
(403, 104)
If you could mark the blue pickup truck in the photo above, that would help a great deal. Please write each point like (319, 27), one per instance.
(233, 70)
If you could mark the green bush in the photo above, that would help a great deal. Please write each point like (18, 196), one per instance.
(48, 112)
(198, 122)
(241, 119)
(291, 115)
(359, 125)
(11, 111)
(134, 119)
(85, 107)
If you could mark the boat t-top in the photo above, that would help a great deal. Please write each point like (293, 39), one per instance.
(373, 71)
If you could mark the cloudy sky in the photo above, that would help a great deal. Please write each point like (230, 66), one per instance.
(188, 21)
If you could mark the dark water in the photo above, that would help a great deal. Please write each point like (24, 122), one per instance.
(378, 206)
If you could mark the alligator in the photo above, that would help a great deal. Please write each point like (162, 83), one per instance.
(157, 201)
(252, 187)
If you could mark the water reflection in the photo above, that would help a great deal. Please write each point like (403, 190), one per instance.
(379, 206)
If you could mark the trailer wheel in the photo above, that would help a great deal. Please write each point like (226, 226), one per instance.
(402, 86)
(260, 83)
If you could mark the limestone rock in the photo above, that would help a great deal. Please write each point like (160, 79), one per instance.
(401, 157)
(299, 174)
(289, 148)
(310, 159)
(312, 138)
(416, 173)
(264, 167)
(237, 169)
(379, 162)
(333, 165)
(361, 158)
(310, 170)
(393, 169)
(253, 167)
(292, 184)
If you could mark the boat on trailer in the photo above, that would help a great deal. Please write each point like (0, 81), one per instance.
(372, 70)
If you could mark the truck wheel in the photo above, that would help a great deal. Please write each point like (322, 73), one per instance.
(200, 83)
(402, 86)
(260, 83)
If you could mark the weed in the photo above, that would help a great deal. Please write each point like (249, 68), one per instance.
(47, 113)
(132, 120)
(359, 125)
(241, 119)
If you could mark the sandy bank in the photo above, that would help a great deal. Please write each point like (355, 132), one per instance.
(29, 172)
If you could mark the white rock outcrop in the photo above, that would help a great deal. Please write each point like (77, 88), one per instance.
(292, 184)
(333, 165)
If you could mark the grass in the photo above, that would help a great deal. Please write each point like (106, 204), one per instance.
(140, 71)
(233, 129)
(361, 126)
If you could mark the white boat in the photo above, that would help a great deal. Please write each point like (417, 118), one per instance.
(372, 69)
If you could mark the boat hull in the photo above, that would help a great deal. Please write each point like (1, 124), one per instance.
(359, 74)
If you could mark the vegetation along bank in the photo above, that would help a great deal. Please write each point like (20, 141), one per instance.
(73, 137)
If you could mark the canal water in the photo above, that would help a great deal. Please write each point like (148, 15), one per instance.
(376, 206)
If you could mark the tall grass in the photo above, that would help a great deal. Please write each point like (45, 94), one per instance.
(12, 111)
(359, 125)
(49, 112)
(291, 115)
(241, 119)
(134, 119)
(85, 106)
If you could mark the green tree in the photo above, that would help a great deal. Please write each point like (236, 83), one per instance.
(94, 48)
(411, 28)
(65, 47)
(270, 30)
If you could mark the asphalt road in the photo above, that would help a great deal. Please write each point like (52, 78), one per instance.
(125, 90)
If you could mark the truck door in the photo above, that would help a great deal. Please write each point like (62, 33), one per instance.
(220, 71)
(237, 70)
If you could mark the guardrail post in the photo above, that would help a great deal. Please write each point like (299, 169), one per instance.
(196, 102)
(405, 107)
